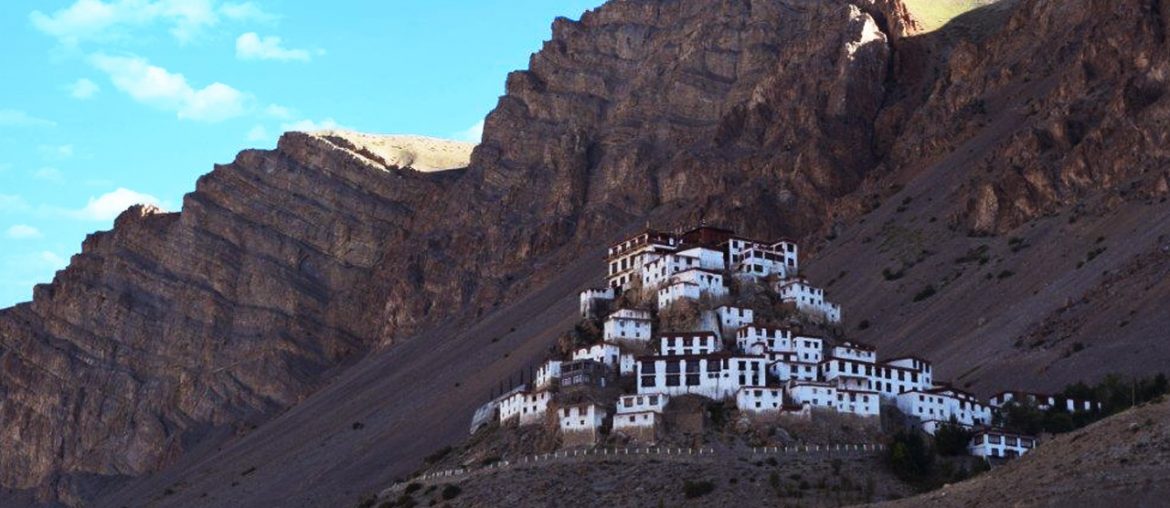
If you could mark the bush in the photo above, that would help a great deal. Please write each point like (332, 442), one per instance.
(450, 492)
(889, 274)
(413, 487)
(925, 293)
(910, 457)
(693, 489)
(439, 454)
(952, 439)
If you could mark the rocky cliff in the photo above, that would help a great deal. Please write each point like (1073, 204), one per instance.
(886, 149)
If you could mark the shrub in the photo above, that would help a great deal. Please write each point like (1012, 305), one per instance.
(694, 489)
(450, 492)
(1005, 274)
(889, 274)
(863, 325)
(413, 487)
(952, 439)
(925, 293)
(439, 454)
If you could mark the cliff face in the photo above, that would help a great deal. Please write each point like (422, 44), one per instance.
(1038, 121)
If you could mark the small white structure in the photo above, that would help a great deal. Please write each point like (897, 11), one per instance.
(760, 262)
(546, 374)
(655, 273)
(817, 394)
(1043, 402)
(678, 291)
(594, 300)
(581, 424)
(625, 259)
(529, 407)
(858, 402)
(888, 378)
(652, 402)
(757, 339)
(627, 364)
(627, 324)
(488, 411)
(855, 351)
(605, 353)
(808, 299)
(995, 443)
(694, 343)
(731, 319)
(786, 366)
(716, 376)
(709, 259)
(693, 284)
(759, 399)
(938, 406)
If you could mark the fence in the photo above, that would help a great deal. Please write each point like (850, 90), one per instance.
(641, 451)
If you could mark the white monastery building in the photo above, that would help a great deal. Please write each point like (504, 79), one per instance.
(693, 343)
(715, 376)
(594, 300)
(994, 443)
(808, 299)
(760, 399)
(627, 324)
(938, 406)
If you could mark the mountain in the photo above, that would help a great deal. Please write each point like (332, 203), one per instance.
(319, 317)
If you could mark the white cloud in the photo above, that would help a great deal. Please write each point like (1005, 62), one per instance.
(246, 11)
(162, 89)
(310, 125)
(473, 134)
(53, 260)
(13, 203)
(99, 20)
(109, 205)
(23, 232)
(251, 46)
(279, 112)
(258, 133)
(83, 89)
(49, 175)
(55, 152)
(15, 118)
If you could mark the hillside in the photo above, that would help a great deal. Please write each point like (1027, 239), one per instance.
(1118, 461)
(1017, 169)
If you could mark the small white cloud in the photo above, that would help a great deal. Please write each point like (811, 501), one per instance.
(55, 152)
(279, 112)
(13, 203)
(15, 118)
(97, 20)
(109, 205)
(49, 175)
(23, 232)
(327, 124)
(162, 89)
(53, 260)
(246, 11)
(257, 133)
(251, 46)
(473, 134)
(83, 89)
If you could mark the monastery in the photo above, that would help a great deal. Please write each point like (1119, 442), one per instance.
(623, 382)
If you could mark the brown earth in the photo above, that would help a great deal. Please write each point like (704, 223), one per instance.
(1119, 461)
(184, 349)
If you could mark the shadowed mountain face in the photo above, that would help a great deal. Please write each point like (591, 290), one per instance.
(984, 159)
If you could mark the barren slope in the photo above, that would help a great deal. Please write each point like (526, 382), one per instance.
(1119, 461)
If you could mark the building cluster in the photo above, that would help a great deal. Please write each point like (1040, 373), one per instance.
(764, 370)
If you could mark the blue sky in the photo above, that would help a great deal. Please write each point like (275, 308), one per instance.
(106, 103)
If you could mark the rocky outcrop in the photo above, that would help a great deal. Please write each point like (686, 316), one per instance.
(1068, 99)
